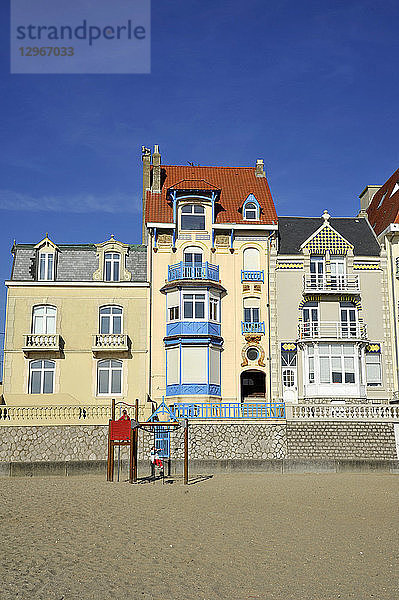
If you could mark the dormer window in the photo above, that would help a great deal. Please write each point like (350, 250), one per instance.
(112, 263)
(251, 209)
(251, 213)
(46, 266)
(192, 217)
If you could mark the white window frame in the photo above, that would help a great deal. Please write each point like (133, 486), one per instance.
(49, 266)
(112, 318)
(49, 316)
(369, 379)
(253, 207)
(109, 368)
(194, 211)
(214, 308)
(196, 251)
(251, 309)
(250, 257)
(112, 259)
(200, 300)
(42, 369)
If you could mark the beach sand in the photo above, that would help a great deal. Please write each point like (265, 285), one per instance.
(241, 537)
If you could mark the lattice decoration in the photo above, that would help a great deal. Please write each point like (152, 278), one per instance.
(289, 265)
(374, 348)
(328, 240)
(366, 266)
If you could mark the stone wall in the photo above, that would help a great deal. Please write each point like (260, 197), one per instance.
(338, 440)
(239, 441)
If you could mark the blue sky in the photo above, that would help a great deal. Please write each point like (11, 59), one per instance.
(310, 87)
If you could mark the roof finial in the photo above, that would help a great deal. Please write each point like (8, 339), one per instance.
(325, 215)
(112, 237)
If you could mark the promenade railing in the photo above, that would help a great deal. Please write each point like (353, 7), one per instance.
(230, 410)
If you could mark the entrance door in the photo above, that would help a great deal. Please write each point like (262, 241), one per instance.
(289, 376)
(253, 386)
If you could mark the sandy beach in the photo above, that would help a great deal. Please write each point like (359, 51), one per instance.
(239, 537)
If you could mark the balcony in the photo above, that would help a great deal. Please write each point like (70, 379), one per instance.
(250, 327)
(332, 330)
(184, 270)
(105, 342)
(41, 342)
(330, 284)
(258, 276)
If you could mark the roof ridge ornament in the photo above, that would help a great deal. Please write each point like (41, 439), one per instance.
(326, 216)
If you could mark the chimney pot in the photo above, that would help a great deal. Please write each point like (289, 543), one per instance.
(260, 169)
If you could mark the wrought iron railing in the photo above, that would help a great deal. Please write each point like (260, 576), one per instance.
(184, 270)
(332, 330)
(253, 276)
(231, 410)
(331, 283)
(250, 327)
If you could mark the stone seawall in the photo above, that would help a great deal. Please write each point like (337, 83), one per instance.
(213, 441)
(337, 440)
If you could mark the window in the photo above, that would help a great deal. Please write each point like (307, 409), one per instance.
(252, 353)
(41, 377)
(373, 369)
(193, 256)
(349, 326)
(111, 319)
(194, 306)
(173, 302)
(337, 363)
(251, 258)
(112, 262)
(250, 212)
(109, 377)
(213, 308)
(316, 271)
(46, 266)
(192, 217)
(251, 310)
(310, 315)
(44, 319)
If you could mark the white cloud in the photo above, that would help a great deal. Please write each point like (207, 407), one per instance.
(78, 203)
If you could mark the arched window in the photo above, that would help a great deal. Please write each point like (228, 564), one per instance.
(109, 377)
(112, 266)
(44, 319)
(251, 212)
(111, 319)
(41, 376)
(251, 310)
(192, 256)
(192, 217)
(251, 258)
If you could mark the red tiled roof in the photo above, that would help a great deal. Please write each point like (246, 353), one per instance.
(234, 183)
(384, 207)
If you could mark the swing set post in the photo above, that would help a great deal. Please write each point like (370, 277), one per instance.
(185, 451)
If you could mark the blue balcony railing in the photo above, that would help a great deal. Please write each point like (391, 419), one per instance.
(249, 327)
(236, 410)
(253, 276)
(184, 270)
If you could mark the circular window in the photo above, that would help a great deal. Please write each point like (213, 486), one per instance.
(252, 353)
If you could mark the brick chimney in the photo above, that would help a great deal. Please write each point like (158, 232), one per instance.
(146, 158)
(260, 168)
(366, 197)
(156, 170)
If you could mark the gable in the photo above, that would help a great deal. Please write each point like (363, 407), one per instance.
(326, 239)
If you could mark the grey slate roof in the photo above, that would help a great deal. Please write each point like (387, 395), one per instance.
(293, 231)
(75, 262)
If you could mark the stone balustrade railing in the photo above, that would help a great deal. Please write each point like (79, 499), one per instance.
(58, 415)
(110, 341)
(342, 412)
(41, 341)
